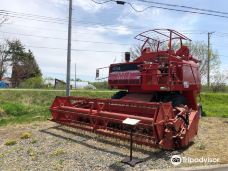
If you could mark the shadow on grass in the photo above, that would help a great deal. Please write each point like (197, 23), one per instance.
(151, 154)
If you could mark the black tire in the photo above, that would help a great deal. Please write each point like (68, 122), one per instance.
(200, 110)
(119, 95)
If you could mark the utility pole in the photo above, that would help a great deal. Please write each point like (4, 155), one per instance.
(208, 58)
(75, 77)
(69, 50)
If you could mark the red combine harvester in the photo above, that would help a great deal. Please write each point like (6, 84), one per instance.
(160, 89)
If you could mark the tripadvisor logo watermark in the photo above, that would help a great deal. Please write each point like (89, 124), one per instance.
(177, 159)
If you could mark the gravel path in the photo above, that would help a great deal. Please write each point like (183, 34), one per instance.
(53, 147)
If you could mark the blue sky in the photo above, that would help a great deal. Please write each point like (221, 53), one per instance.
(110, 23)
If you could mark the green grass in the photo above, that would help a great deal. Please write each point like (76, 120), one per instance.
(22, 113)
(26, 106)
(215, 104)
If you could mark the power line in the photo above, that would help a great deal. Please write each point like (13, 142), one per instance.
(36, 17)
(38, 28)
(222, 34)
(58, 38)
(107, 27)
(49, 19)
(73, 49)
(77, 40)
(81, 50)
(63, 21)
(165, 8)
(178, 10)
(32, 15)
(77, 50)
(183, 6)
(223, 55)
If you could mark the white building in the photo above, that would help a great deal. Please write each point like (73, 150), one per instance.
(79, 84)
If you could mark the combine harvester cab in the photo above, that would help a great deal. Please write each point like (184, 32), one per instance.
(162, 85)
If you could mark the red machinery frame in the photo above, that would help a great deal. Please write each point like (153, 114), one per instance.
(161, 123)
(157, 71)
(166, 33)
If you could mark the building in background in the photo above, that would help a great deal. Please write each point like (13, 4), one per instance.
(5, 82)
(56, 83)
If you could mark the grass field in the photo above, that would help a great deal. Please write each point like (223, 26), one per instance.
(215, 104)
(24, 106)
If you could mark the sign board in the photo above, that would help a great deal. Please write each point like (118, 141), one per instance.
(130, 121)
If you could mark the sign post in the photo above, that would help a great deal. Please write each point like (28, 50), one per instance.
(130, 160)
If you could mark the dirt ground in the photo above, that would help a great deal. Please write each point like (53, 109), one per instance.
(49, 146)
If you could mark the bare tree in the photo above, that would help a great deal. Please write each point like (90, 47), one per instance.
(3, 19)
(135, 51)
(219, 81)
(153, 45)
(4, 60)
(199, 50)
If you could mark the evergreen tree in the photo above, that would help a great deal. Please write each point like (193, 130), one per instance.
(24, 65)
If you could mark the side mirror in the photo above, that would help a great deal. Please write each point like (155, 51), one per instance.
(97, 73)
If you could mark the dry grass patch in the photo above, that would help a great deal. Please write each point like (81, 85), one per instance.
(26, 135)
(211, 140)
(33, 141)
(57, 152)
(10, 142)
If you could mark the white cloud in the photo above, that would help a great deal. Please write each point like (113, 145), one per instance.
(115, 29)
(89, 6)
(123, 30)
(86, 5)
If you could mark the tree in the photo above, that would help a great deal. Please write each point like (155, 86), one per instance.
(23, 63)
(34, 82)
(3, 19)
(219, 81)
(198, 50)
(153, 45)
(79, 80)
(135, 52)
(4, 60)
(100, 85)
